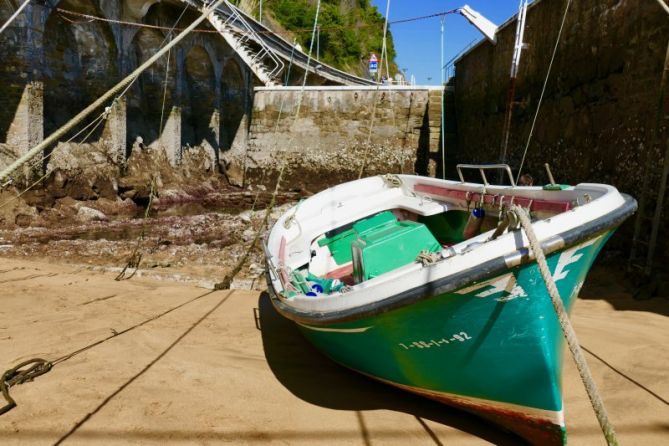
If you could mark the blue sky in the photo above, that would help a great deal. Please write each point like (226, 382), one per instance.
(418, 43)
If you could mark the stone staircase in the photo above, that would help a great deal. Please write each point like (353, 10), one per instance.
(241, 36)
(267, 53)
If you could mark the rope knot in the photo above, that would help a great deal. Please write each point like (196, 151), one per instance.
(428, 258)
(391, 180)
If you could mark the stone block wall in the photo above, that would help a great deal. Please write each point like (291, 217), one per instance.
(56, 63)
(326, 134)
(599, 110)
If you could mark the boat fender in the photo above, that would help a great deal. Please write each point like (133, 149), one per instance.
(474, 223)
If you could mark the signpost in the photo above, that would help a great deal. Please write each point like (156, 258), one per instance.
(373, 64)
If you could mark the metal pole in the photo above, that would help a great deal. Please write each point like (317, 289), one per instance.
(443, 118)
(53, 138)
(515, 61)
(384, 49)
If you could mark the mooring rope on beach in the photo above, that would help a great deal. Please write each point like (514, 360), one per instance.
(226, 283)
(543, 89)
(136, 256)
(28, 370)
(375, 97)
(567, 328)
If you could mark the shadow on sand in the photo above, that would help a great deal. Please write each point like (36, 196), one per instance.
(314, 378)
(608, 280)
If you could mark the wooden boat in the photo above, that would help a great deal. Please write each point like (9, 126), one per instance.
(419, 282)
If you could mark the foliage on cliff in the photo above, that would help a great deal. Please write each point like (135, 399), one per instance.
(350, 30)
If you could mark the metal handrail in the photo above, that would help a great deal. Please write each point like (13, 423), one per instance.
(449, 67)
(240, 22)
(482, 168)
(232, 19)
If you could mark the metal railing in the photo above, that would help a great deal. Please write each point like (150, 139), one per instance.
(449, 67)
(245, 35)
(482, 168)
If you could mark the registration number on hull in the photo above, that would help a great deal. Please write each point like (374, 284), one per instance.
(455, 338)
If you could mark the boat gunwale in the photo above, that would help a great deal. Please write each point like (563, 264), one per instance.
(559, 241)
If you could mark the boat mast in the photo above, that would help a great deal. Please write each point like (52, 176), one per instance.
(443, 92)
(515, 62)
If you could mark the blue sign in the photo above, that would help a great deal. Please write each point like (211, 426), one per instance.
(373, 64)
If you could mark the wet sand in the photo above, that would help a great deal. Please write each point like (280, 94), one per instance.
(205, 374)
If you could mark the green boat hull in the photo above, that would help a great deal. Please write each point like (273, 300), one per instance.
(493, 347)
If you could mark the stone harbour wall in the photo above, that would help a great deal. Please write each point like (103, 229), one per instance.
(56, 63)
(599, 111)
(325, 134)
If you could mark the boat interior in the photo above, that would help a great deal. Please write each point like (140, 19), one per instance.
(430, 222)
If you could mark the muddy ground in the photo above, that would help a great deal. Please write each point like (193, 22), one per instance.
(188, 223)
(198, 240)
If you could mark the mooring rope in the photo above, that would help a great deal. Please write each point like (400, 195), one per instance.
(368, 144)
(567, 329)
(226, 283)
(384, 48)
(135, 258)
(14, 16)
(19, 374)
(107, 96)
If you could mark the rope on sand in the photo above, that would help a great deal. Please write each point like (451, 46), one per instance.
(135, 258)
(27, 371)
(226, 283)
(567, 329)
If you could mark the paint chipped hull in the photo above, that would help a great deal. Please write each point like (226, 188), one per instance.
(540, 427)
(493, 347)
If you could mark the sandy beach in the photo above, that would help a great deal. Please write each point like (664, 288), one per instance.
(226, 368)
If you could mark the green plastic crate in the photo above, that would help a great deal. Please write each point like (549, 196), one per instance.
(340, 244)
(390, 246)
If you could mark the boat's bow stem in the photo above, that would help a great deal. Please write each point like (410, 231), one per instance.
(567, 328)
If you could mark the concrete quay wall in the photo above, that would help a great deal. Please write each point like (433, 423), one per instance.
(324, 135)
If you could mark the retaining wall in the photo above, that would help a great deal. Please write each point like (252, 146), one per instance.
(326, 134)
(599, 111)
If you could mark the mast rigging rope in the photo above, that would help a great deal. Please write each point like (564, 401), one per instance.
(543, 90)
